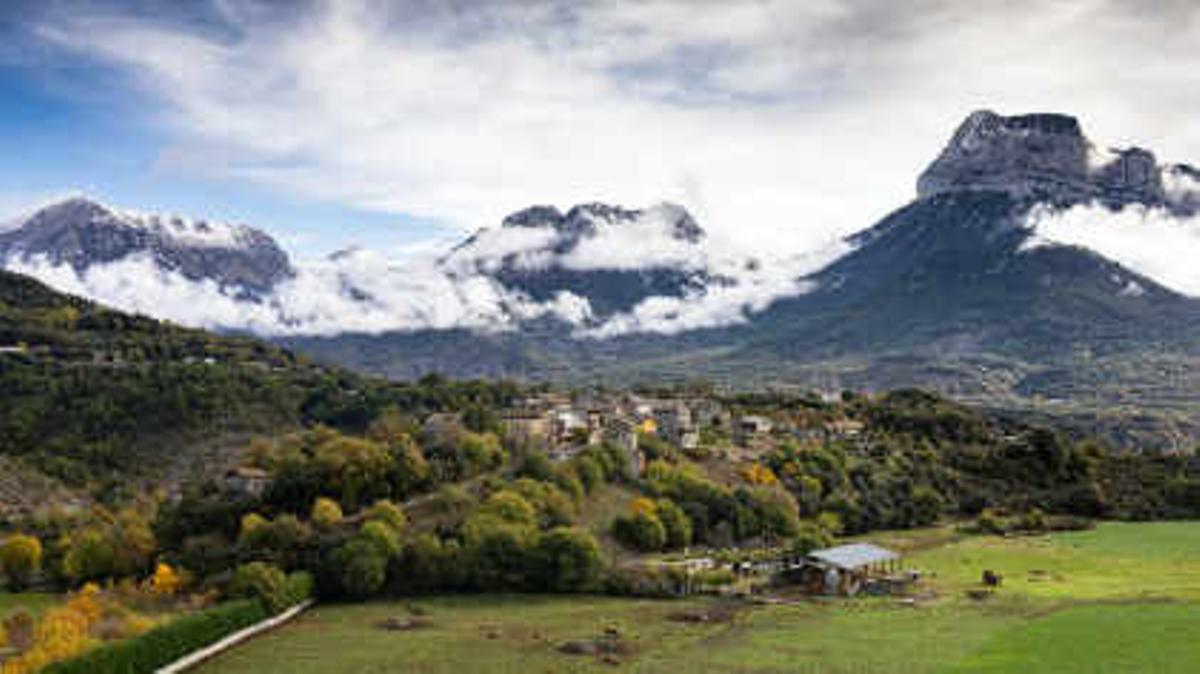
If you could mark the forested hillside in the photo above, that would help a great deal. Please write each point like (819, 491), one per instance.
(92, 396)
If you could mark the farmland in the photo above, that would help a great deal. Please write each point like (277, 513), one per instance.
(1121, 598)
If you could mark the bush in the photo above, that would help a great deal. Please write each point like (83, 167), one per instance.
(989, 522)
(1033, 520)
(261, 581)
(163, 645)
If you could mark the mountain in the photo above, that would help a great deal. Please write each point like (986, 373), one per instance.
(84, 234)
(589, 253)
(958, 290)
(1020, 275)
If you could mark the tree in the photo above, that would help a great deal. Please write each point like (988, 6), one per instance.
(499, 553)
(642, 531)
(262, 581)
(166, 581)
(536, 466)
(567, 559)
(20, 558)
(591, 474)
(389, 513)
(927, 505)
(385, 539)
(326, 513)
(675, 522)
(361, 567)
(509, 506)
(810, 536)
(253, 525)
(90, 556)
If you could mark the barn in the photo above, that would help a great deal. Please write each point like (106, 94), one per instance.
(843, 570)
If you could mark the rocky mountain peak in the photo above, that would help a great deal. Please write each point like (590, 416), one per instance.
(83, 233)
(1045, 157)
(1030, 155)
(584, 220)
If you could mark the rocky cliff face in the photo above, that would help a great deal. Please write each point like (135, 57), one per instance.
(82, 233)
(1047, 158)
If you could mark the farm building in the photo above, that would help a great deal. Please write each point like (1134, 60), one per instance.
(842, 570)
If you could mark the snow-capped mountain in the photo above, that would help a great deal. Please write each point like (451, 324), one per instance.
(1026, 250)
(596, 270)
(82, 234)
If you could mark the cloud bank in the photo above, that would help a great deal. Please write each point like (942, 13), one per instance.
(779, 123)
(1149, 241)
(366, 292)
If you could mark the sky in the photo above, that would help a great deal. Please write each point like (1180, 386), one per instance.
(400, 125)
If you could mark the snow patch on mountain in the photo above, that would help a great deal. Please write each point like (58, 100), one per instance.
(1153, 242)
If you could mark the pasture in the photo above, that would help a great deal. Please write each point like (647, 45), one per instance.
(1121, 598)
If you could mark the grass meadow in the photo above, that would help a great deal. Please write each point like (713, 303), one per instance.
(1121, 598)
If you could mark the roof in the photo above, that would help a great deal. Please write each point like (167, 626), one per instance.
(853, 556)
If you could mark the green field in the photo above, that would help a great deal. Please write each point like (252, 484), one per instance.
(1122, 598)
(31, 601)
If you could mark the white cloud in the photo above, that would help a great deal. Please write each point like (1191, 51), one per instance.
(1149, 241)
(365, 291)
(778, 123)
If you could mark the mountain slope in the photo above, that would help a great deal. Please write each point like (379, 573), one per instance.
(103, 400)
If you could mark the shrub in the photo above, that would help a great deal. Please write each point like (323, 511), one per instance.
(166, 581)
(1032, 520)
(163, 645)
(989, 522)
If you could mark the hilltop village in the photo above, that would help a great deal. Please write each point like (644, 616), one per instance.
(563, 425)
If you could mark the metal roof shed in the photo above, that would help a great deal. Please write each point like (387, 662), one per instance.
(853, 556)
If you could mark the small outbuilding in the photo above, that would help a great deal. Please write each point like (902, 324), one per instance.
(843, 570)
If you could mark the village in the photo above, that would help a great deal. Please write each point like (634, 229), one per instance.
(563, 424)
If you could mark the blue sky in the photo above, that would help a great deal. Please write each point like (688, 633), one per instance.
(390, 123)
(70, 124)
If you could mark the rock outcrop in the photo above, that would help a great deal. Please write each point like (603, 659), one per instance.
(1046, 158)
